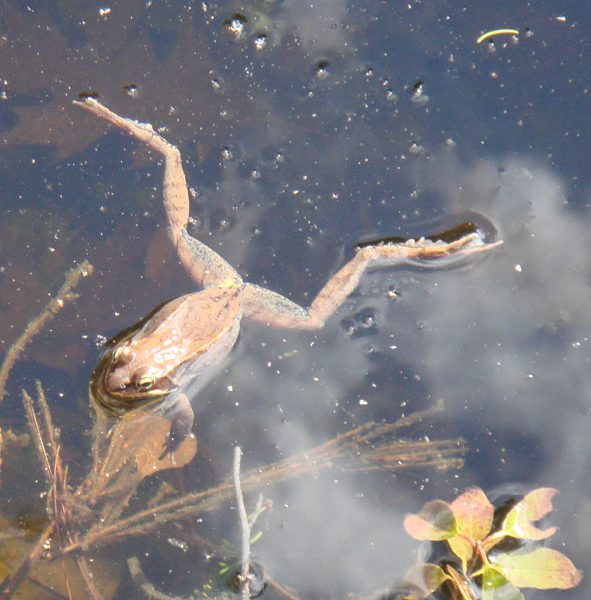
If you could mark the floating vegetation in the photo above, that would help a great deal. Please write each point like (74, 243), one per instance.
(489, 567)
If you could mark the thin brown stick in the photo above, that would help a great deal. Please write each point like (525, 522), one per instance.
(88, 580)
(47, 422)
(34, 327)
(38, 439)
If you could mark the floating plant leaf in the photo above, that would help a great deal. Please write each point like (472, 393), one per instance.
(435, 522)
(519, 520)
(542, 568)
(426, 577)
(474, 517)
(467, 526)
(495, 586)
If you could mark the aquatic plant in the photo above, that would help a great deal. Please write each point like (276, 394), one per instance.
(495, 559)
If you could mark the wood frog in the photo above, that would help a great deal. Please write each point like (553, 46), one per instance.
(160, 363)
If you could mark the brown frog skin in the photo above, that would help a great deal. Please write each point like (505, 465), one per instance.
(169, 356)
(163, 361)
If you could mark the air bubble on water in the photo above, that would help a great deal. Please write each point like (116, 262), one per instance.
(255, 175)
(216, 84)
(194, 225)
(367, 318)
(100, 341)
(132, 90)
(349, 327)
(260, 41)
(418, 95)
(227, 153)
(322, 69)
(415, 149)
(392, 292)
(236, 25)
(391, 95)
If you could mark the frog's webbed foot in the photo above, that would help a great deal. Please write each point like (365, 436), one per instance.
(182, 417)
(438, 254)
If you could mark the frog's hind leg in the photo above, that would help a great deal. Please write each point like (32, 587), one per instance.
(205, 266)
(273, 309)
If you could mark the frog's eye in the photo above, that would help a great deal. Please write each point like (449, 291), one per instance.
(144, 383)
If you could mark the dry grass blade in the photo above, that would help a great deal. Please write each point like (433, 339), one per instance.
(38, 439)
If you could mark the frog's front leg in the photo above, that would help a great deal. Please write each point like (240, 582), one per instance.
(181, 416)
(268, 307)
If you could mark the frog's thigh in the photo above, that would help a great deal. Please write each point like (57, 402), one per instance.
(273, 309)
(205, 266)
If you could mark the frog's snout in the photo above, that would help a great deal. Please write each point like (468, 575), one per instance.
(119, 378)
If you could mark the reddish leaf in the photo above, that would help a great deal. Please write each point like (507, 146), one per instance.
(474, 517)
(473, 513)
(519, 520)
(435, 522)
(542, 568)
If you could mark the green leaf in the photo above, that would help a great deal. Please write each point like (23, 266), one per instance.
(496, 587)
(435, 522)
(542, 568)
(519, 520)
(426, 577)
(474, 517)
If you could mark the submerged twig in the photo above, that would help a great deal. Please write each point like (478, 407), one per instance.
(243, 578)
(365, 448)
(64, 295)
(38, 439)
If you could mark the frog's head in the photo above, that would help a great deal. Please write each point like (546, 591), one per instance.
(137, 371)
(129, 377)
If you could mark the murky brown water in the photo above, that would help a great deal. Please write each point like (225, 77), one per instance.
(305, 130)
